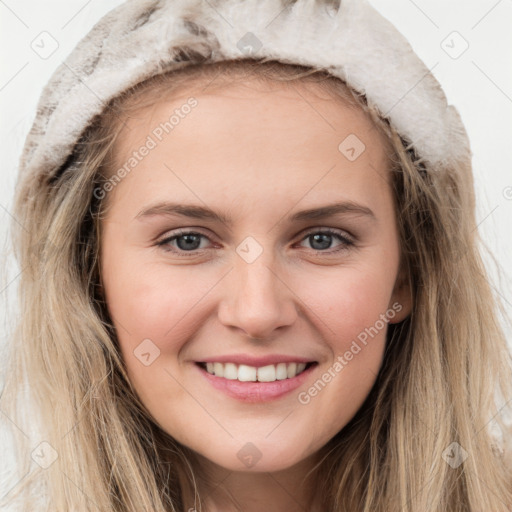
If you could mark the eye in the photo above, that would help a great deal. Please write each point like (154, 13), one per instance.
(190, 241)
(321, 239)
(183, 241)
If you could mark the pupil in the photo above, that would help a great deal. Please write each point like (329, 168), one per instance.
(188, 239)
(318, 237)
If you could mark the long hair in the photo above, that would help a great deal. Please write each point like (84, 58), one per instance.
(445, 375)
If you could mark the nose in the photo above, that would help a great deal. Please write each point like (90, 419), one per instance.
(257, 300)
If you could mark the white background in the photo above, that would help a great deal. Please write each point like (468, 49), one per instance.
(478, 83)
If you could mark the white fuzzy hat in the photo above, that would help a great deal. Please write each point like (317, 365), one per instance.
(349, 38)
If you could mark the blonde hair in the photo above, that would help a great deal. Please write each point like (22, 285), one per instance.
(444, 368)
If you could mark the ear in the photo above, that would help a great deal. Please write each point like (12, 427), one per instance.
(401, 298)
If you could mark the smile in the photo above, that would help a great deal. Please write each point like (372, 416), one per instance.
(246, 373)
(255, 384)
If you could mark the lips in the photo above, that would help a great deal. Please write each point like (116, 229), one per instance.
(243, 382)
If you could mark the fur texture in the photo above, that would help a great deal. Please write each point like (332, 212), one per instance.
(142, 38)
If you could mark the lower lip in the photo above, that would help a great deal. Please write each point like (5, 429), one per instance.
(256, 391)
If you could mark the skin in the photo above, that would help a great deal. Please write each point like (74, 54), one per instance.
(257, 153)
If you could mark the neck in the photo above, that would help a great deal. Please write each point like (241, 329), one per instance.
(289, 490)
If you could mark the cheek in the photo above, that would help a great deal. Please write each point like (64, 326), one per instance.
(349, 308)
(152, 301)
(156, 310)
(153, 311)
(349, 301)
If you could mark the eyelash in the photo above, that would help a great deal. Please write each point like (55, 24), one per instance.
(347, 241)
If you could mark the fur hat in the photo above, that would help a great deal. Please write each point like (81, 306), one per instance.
(143, 38)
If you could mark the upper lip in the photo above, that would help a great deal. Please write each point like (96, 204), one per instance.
(255, 361)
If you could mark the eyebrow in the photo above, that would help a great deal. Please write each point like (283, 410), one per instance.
(203, 212)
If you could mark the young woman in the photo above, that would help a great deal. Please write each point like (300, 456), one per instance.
(251, 273)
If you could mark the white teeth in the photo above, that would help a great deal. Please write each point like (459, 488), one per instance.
(246, 373)
(267, 373)
(218, 368)
(230, 371)
(291, 370)
(281, 371)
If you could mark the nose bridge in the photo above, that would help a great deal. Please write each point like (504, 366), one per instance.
(256, 299)
(257, 282)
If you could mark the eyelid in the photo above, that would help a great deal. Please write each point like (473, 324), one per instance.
(347, 239)
(180, 231)
(333, 231)
(176, 233)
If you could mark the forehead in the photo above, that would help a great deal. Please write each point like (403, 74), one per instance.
(253, 137)
(322, 105)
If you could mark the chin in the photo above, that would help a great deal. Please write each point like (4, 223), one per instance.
(255, 457)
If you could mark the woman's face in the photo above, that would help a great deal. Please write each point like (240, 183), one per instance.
(252, 229)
